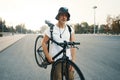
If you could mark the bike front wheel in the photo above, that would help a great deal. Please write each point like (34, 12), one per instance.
(65, 74)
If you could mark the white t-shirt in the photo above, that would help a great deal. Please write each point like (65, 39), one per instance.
(65, 36)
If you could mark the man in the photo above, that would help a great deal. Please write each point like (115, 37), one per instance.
(60, 33)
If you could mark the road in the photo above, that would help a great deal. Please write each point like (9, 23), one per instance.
(98, 58)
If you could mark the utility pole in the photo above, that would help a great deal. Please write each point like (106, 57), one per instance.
(94, 7)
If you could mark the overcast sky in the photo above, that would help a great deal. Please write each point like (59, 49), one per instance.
(33, 13)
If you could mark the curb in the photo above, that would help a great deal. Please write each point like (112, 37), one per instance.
(7, 41)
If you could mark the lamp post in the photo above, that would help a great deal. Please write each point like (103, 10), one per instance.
(94, 7)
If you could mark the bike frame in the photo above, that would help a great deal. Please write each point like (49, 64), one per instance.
(63, 51)
(64, 46)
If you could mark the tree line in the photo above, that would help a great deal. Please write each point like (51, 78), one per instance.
(112, 26)
(20, 28)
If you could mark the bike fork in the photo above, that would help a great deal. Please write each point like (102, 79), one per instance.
(62, 69)
(65, 70)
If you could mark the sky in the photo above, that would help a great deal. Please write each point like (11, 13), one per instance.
(33, 13)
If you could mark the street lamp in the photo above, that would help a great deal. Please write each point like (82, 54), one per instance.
(94, 7)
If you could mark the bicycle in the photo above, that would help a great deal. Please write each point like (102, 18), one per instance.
(43, 62)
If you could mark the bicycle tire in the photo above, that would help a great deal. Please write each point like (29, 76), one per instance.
(39, 55)
(77, 72)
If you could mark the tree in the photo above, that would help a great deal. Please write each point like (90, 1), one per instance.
(102, 28)
(91, 28)
(78, 28)
(116, 27)
(85, 27)
(113, 24)
(43, 28)
(2, 25)
(21, 28)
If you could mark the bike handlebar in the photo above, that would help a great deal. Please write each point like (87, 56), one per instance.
(69, 43)
(65, 43)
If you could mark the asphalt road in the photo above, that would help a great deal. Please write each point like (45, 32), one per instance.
(98, 58)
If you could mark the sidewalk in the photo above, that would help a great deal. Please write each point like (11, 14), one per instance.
(6, 41)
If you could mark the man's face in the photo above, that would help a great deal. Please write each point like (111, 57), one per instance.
(63, 17)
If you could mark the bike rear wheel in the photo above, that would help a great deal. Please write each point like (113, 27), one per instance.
(39, 55)
(77, 75)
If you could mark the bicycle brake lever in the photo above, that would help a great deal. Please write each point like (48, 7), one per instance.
(77, 47)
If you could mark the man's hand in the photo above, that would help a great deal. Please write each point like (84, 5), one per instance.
(50, 60)
(71, 68)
